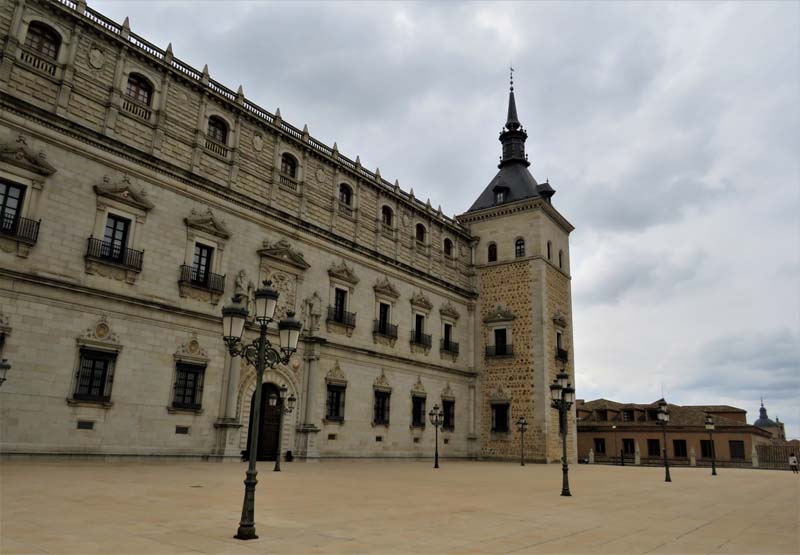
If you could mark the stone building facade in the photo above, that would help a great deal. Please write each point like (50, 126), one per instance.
(139, 194)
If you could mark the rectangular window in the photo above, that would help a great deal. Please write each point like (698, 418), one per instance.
(628, 446)
(381, 414)
(736, 447)
(449, 410)
(627, 415)
(418, 412)
(334, 409)
(679, 448)
(11, 197)
(500, 417)
(201, 263)
(188, 386)
(706, 449)
(602, 415)
(383, 318)
(559, 341)
(599, 446)
(115, 237)
(339, 304)
(500, 341)
(419, 327)
(94, 377)
(652, 415)
(653, 448)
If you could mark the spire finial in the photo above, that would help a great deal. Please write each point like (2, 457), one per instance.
(511, 79)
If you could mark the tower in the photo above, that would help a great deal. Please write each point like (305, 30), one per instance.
(524, 331)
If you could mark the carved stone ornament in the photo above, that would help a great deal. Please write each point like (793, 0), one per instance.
(96, 57)
(5, 326)
(207, 222)
(320, 176)
(258, 142)
(123, 192)
(312, 312)
(447, 393)
(343, 272)
(381, 383)
(420, 300)
(385, 287)
(192, 351)
(286, 286)
(335, 375)
(110, 270)
(19, 154)
(282, 251)
(449, 311)
(499, 314)
(498, 395)
(418, 389)
(559, 319)
(100, 336)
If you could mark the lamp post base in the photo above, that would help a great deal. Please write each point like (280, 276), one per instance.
(246, 533)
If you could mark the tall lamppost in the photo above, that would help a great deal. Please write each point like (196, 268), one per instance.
(522, 427)
(614, 427)
(563, 395)
(261, 354)
(437, 417)
(285, 406)
(710, 430)
(663, 420)
(4, 368)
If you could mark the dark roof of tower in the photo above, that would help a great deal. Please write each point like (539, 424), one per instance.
(512, 121)
(763, 420)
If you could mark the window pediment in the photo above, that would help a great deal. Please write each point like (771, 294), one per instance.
(343, 272)
(420, 300)
(559, 319)
(498, 395)
(449, 311)
(381, 383)
(100, 336)
(335, 375)
(21, 155)
(447, 393)
(385, 287)
(124, 193)
(208, 223)
(282, 251)
(499, 314)
(192, 352)
(418, 390)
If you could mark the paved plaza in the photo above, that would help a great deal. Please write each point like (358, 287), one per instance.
(394, 507)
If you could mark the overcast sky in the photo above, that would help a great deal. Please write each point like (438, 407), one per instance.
(670, 132)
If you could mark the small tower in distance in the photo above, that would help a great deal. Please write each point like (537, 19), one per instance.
(524, 327)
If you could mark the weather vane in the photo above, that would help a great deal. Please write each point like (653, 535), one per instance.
(511, 68)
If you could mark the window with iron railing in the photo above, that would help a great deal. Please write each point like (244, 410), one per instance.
(94, 376)
(188, 386)
(381, 408)
(385, 328)
(417, 411)
(11, 223)
(449, 412)
(340, 316)
(334, 406)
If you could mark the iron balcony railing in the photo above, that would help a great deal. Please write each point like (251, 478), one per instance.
(562, 354)
(341, 316)
(499, 350)
(21, 229)
(114, 253)
(419, 338)
(384, 328)
(449, 346)
(204, 280)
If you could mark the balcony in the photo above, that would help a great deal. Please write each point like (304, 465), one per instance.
(450, 347)
(562, 354)
(339, 316)
(499, 351)
(287, 182)
(107, 252)
(421, 339)
(36, 61)
(20, 229)
(385, 329)
(216, 147)
(345, 210)
(193, 278)
(136, 108)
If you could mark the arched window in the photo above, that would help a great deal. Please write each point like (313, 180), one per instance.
(560, 259)
(218, 129)
(387, 217)
(43, 39)
(289, 166)
(139, 89)
(549, 248)
(492, 252)
(345, 195)
(448, 247)
(420, 233)
(519, 248)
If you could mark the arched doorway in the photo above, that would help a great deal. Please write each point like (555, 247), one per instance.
(268, 428)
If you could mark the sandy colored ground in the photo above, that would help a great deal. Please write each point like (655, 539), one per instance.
(394, 507)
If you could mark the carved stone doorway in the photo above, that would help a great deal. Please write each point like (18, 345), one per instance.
(268, 427)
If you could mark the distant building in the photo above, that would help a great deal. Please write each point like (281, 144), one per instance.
(613, 430)
(775, 427)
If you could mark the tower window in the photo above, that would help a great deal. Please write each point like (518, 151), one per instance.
(289, 166)
(420, 233)
(492, 252)
(519, 248)
(217, 129)
(500, 417)
(549, 248)
(387, 216)
(43, 40)
(560, 259)
(500, 196)
(139, 89)
(448, 247)
(345, 195)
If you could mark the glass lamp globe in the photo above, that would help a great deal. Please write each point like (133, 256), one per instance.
(289, 328)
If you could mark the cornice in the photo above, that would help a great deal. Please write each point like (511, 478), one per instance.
(515, 207)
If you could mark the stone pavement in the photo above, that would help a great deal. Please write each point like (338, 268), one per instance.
(393, 507)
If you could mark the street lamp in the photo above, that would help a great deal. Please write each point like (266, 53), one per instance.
(710, 430)
(261, 354)
(437, 417)
(663, 420)
(614, 427)
(4, 368)
(286, 406)
(563, 395)
(522, 427)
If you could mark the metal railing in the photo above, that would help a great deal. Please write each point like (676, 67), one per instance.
(21, 229)
(106, 251)
(449, 346)
(340, 316)
(562, 354)
(204, 280)
(136, 108)
(384, 328)
(422, 339)
(216, 147)
(499, 350)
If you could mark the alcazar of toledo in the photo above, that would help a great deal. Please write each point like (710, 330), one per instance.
(137, 195)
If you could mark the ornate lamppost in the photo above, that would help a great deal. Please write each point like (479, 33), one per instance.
(563, 395)
(522, 427)
(261, 354)
(437, 417)
(663, 420)
(4, 368)
(285, 406)
(710, 430)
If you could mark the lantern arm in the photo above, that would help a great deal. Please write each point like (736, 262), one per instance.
(249, 352)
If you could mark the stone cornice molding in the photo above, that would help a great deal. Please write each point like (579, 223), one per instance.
(208, 223)
(124, 193)
(343, 272)
(420, 300)
(449, 311)
(499, 314)
(282, 251)
(21, 155)
(385, 287)
(514, 207)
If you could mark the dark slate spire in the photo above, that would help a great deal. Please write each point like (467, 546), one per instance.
(513, 135)
(512, 121)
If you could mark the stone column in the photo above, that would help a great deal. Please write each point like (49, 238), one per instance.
(692, 457)
(637, 457)
(227, 425)
(307, 430)
(591, 456)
